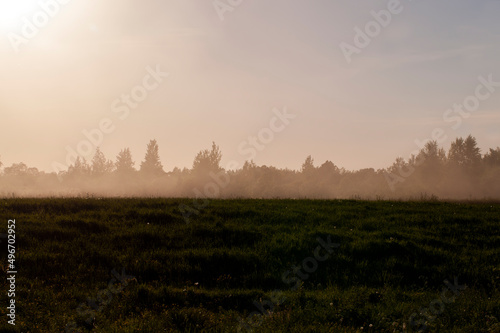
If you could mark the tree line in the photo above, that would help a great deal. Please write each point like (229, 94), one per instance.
(462, 172)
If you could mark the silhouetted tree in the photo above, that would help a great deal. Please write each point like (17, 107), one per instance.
(472, 152)
(244, 180)
(176, 172)
(308, 165)
(79, 168)
(328, 177)
(464, 153)
(16, 169)
(461, 173)
(152, 164)
(124, 163)
(401, 168)
(428, 167)
(456, 154)
(100, 165)
(492, 158)
(432, 153)
(20, 169)
(328, 168)
(207, 160)
(33, 172)
(249, 165)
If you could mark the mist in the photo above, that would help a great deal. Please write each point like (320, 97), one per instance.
(352, 84)
(461, 173)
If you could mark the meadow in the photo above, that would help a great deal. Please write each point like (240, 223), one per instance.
(135, 265)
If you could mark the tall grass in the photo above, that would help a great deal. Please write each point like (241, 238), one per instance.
(203, 276)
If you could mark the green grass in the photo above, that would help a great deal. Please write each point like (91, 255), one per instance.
(203, 276)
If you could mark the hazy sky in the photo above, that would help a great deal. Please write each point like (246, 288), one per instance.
(226, 76)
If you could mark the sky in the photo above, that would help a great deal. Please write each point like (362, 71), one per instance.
(223, 71)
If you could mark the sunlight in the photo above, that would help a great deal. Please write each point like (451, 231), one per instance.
(12, 11)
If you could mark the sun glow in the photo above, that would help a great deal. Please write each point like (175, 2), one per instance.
(12, 11)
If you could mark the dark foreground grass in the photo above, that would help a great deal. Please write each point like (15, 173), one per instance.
(229, 262)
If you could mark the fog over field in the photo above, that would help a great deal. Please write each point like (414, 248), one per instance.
(461, 173)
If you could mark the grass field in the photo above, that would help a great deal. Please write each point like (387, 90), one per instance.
(135, 265)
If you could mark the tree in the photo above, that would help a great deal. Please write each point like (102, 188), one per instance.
(16, 169)
(492, 157)
(208, 160)
(431, 158)
(328, 168)
(428, 167)
(124, 163)
(471, 151)
(33, 172)
(456, 154)
(100, 165)
(151, 164)
(328, 175)
(308, 165)
(432, 153)
(401, 167)
(464, 152)
(79, 168)
(249, 165)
